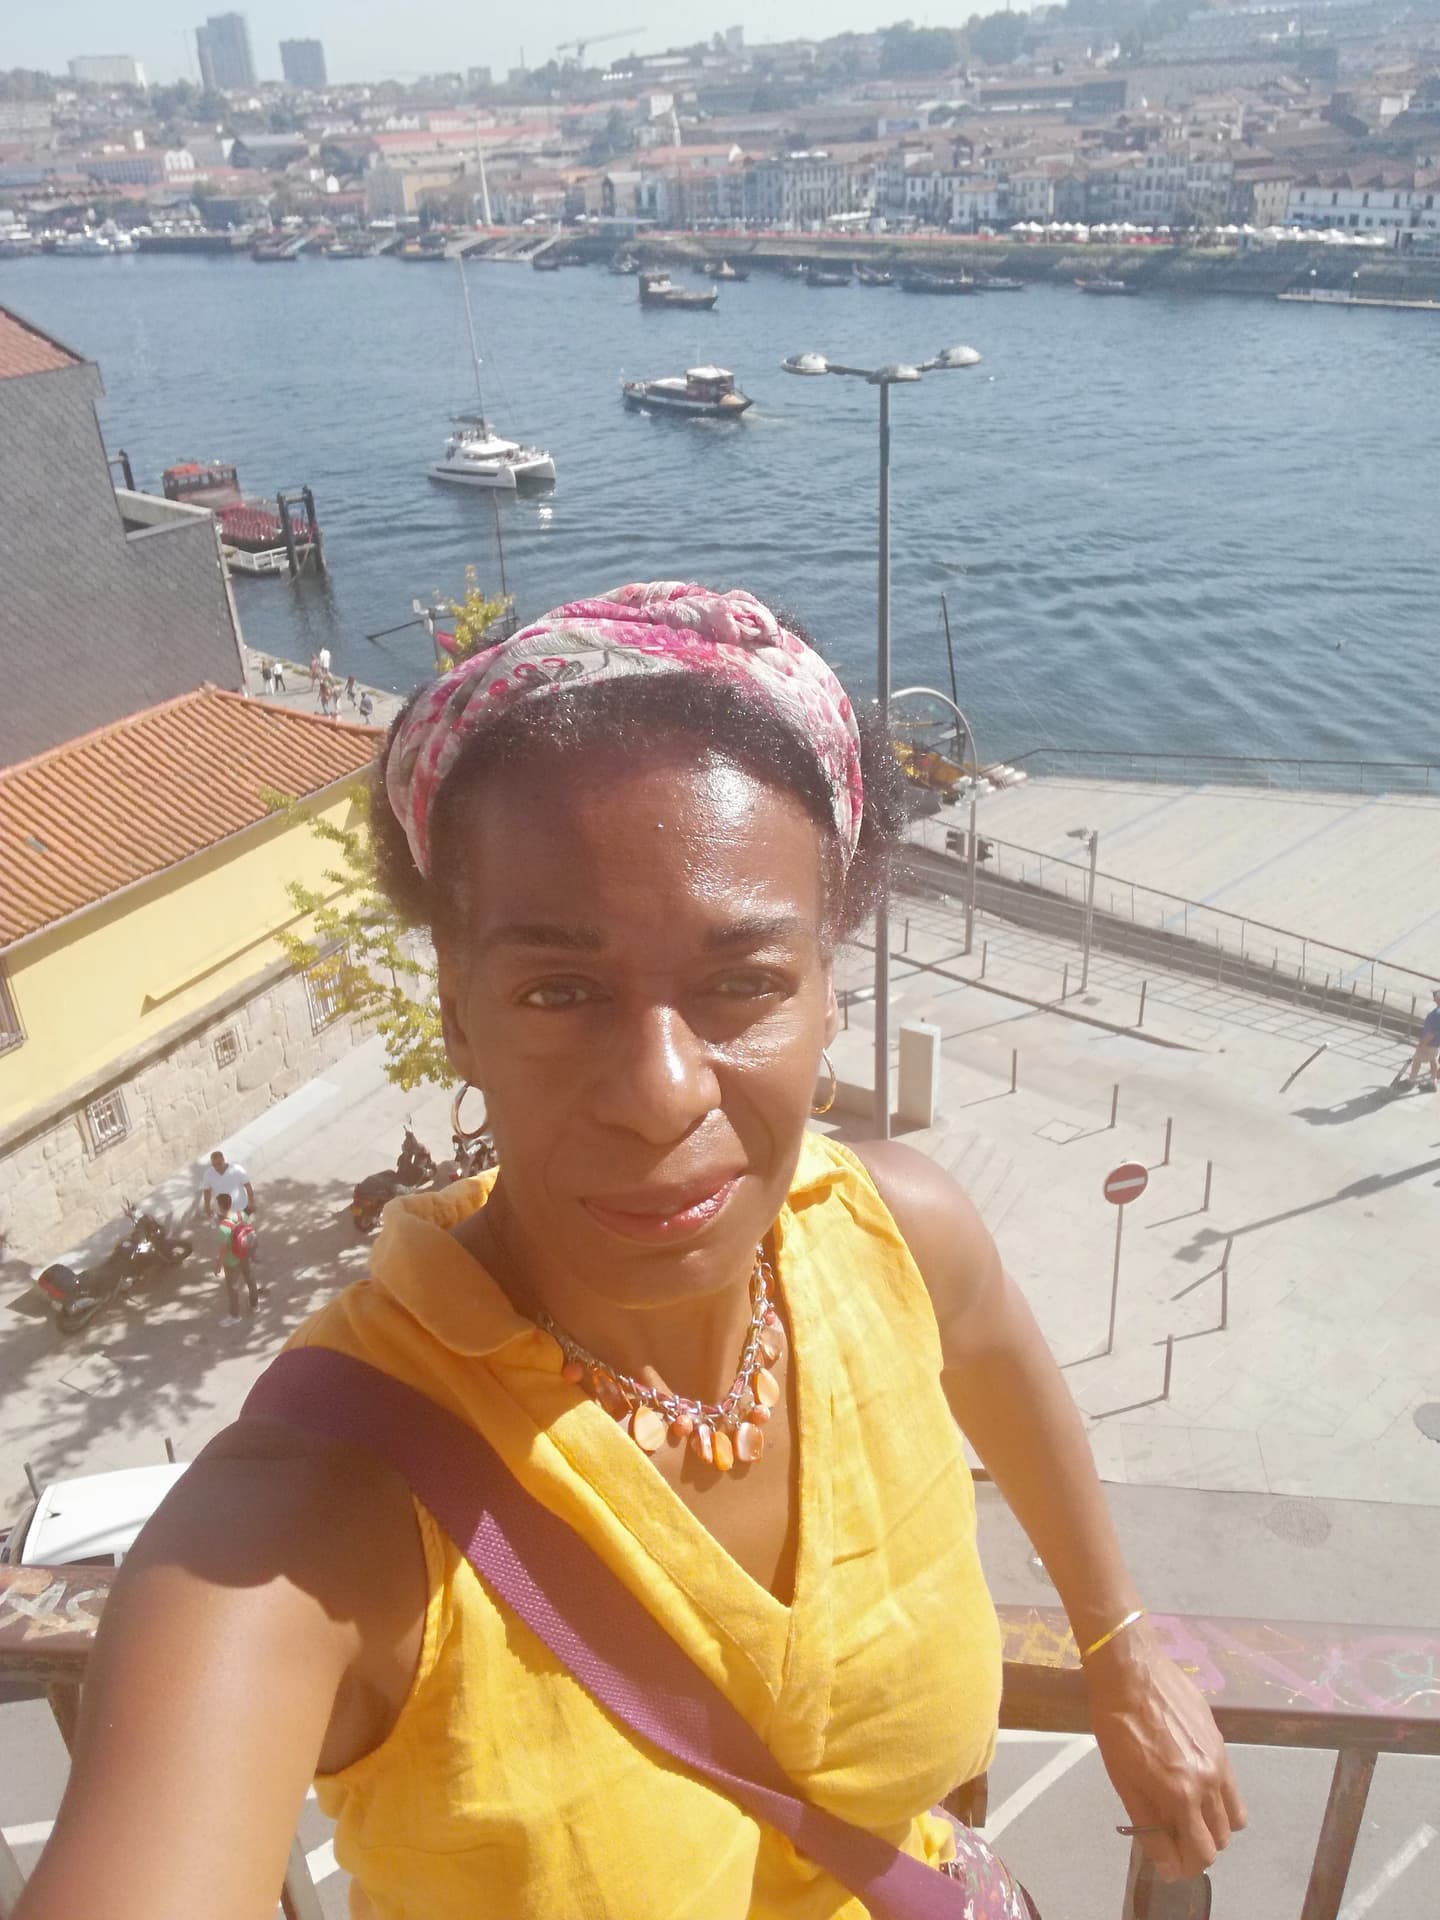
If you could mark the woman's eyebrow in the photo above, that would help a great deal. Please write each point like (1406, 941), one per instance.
(542, 933)
(758, 930)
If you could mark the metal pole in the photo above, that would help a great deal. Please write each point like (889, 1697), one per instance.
(1114, 1102)
(1169, 1361)
(882, 692)
(1140, 1016)
(1209, 1176)
(984, 956)
(1014, 1067)
(1065, 981)
(1115, 1279)
(1089, 912)
(972, 878)
(1169, 1130)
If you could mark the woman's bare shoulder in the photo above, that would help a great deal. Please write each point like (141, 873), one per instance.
(939, 1223)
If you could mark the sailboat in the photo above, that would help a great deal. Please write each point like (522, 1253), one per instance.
(475, 454)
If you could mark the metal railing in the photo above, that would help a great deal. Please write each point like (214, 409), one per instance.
(1327, 775)
(1355, 1691)
(1164, 930)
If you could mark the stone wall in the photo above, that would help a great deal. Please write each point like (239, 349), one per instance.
(56, 1187)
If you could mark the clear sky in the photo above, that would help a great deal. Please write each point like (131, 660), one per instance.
(407, 37)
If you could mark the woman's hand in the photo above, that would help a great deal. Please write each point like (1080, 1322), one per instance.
(1163, 1753)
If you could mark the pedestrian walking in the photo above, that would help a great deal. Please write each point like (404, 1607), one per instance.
(1427, 1050)
(267, 674)
(277, 676)
(324, 658)
(315, 670)
(350, 688)
(367, 707)
(235, 1258)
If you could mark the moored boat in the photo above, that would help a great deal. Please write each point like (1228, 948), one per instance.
(1105, 284)
(658, 290)
(938, 283)
(702, 393)
(475, 454)
(874, 276)
(998, 283)
(723, 270)
(252, 526)
(828, 277)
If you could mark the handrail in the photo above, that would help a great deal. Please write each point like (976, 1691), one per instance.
(1359, 1691)
(1428, 771)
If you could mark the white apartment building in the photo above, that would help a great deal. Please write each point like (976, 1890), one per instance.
(797, 191)
(107, 70)
(1383, 200)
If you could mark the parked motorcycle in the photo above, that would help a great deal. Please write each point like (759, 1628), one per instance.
(414, 1167)
(147, 1248)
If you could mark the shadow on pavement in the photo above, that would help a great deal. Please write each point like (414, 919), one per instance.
(1355, 1108)
(159, 1360)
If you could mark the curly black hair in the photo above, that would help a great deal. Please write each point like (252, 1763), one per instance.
(627, 717)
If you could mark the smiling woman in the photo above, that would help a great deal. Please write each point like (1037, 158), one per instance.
(727, 1356)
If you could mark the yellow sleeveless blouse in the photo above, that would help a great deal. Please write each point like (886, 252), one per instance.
(503, 1792)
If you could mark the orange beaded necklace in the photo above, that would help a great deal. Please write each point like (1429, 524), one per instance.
(719, 1433)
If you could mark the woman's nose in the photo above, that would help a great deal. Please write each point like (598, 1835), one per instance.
(658, 1081)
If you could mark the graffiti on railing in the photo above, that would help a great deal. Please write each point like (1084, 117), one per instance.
(1259, 1664)
(40, 1603)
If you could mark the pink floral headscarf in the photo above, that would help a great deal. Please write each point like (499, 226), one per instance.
(662, 627)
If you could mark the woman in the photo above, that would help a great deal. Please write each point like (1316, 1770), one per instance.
(637, 831)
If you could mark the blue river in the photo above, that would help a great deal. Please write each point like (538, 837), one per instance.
(1169, 522)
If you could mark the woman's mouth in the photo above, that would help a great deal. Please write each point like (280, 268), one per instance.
(661, 1216)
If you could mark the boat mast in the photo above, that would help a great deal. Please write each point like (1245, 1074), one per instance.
(470, 328)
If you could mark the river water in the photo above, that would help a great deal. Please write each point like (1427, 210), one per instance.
(1168, 522)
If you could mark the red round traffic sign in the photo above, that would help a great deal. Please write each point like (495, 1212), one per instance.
(1126, 1183)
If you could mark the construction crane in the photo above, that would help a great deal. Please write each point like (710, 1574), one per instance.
(577, 47)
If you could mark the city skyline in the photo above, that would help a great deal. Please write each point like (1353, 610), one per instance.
(430, 36)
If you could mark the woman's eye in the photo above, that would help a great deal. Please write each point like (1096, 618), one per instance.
(749, 985)
(555, 995)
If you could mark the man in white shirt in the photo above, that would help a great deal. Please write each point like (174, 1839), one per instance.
(225, 1176)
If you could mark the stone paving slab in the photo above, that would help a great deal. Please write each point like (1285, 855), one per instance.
(1345, 868)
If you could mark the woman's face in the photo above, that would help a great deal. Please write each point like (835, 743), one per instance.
(641, 991)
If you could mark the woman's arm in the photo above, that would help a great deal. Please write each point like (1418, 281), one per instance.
(1156, 1734)
(263, 1612)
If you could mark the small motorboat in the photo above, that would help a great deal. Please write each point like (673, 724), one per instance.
(1102, 284)
(722, 270)
(546, 261)
(624, 263)
(828, 277)
(659, 290)
(703, 393)
(794, 270)
(938, 283)
(476, 456)
(874, 276)
(420, 252)
(998, 283)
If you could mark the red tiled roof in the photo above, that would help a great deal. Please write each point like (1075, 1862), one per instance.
(25, 349)
(85, 819)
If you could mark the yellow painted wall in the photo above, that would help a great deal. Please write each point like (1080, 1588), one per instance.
(130, 969)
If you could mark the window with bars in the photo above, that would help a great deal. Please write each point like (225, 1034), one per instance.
(227, 1047)
(325, 990)
(107, 1120)
(12, 1034)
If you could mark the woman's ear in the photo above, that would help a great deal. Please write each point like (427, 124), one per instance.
(453, 1026)
(832, 1010)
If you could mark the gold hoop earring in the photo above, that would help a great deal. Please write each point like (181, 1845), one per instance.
(464, 1135)
(828, 1102)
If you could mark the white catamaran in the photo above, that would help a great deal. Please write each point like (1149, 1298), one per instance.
(475, 454)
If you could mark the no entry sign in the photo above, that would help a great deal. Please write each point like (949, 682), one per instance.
(1127, 1182)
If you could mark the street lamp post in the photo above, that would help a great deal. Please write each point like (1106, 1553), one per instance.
(1092, 836)
(948, 360)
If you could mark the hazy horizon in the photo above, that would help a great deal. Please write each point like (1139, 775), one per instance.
(427, 36)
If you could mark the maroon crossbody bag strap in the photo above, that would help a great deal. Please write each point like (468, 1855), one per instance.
(546, 1574)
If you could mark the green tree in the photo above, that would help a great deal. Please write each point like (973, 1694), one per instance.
(478, 618)
(906, 48)
(361, 954)
(996, 38)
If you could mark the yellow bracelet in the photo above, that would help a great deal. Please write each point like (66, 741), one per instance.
(1118, 1628)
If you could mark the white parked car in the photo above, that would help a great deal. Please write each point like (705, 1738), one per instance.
(92, 1521)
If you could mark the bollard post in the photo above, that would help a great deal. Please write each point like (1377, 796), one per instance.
(1169, 1131)
(1140, 1016)
(1209, 1175)
(1169, 1362)
(906, 947)
(34, 1483)
(984, 956)
(1114, 1102)
(1225, 1297)
(1380, 1012)
(169, 1449)
(1014, 1067)
(1065, 981)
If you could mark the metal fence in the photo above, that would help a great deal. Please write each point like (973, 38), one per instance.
(1163, 930)
(1233, 770)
